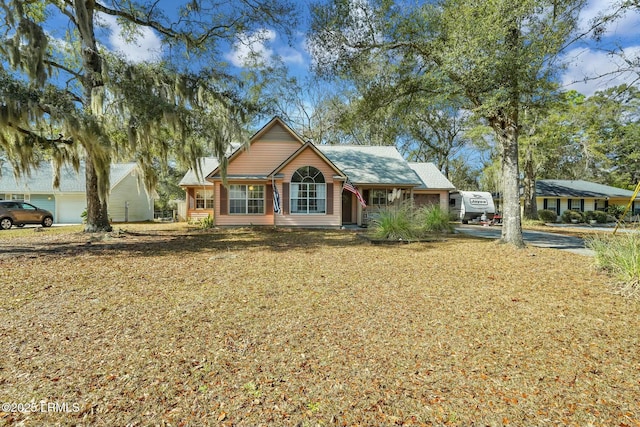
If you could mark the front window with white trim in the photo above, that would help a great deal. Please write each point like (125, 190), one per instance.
(204, 199)
(308, 191)
(246, 199)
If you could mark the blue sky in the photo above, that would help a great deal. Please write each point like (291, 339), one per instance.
(585, 60)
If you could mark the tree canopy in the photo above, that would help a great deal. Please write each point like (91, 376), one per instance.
(69, 98)
(499, 57)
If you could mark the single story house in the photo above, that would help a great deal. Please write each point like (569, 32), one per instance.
(128, 199)
(561, 195)
(307, 182)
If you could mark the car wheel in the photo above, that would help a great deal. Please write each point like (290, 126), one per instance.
(47, 221)
(5, 223)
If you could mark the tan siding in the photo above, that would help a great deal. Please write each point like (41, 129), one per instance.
(262, 157)
(228, 219)
(309, 158)
(279, 133)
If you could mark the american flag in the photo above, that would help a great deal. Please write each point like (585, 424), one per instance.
(350, 187)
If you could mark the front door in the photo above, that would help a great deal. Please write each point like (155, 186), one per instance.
(347, 217)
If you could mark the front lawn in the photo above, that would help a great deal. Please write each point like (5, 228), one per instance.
(165, 325)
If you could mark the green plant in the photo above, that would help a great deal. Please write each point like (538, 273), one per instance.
(252, 389)
(395, 223)
(207, 223)
(432, 219)
(620, 256)
(571, 216)
(547, 215)
(616, 210)
(601, 217)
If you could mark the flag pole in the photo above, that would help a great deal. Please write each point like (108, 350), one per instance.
(273, 194)
(635, 193)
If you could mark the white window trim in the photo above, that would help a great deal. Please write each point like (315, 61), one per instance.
(291, 199)
(246, 199)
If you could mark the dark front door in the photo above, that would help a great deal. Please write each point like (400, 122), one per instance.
(347, 217)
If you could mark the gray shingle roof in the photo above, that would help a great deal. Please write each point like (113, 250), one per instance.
(371, 164)
(41, 178)
(207, 164)
(431, 177)
(578, 189)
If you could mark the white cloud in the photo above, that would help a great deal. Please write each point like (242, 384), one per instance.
(259, 47)
(251, 48)
(591, 70)
(624, 26)
(146, 46)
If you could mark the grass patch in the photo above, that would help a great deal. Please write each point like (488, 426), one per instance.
(620, 256)
(163, 326)
(407, 223)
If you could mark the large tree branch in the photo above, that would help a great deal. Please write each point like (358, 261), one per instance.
(163, 29)
(39, 138)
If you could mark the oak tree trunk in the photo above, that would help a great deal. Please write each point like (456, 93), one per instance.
(97, 215)
(507, 134)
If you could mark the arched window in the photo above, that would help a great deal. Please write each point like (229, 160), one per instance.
(308, 191)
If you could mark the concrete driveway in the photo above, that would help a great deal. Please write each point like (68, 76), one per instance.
(533, 238)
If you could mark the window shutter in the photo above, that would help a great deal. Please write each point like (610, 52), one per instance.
(269, 200)
(365, 196)
(224, 204)
(330, 199)
(557, 206)
(545, 204)
(285, 198)
(569, 204)
(581, 205)
(192, 202)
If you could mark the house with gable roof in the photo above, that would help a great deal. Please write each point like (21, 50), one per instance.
(307, 182)
(128, 198)
(561, 195)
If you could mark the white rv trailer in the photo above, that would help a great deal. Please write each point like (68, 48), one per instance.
(469, 205)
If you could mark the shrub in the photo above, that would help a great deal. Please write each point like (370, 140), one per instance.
(547, 215)
(207, 223)
(599, 216)
(569, 215)
(432, 219)
(616, 211)
(620, 256)
(394, 223)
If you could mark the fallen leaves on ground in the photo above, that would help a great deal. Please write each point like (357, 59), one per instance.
(163, 325)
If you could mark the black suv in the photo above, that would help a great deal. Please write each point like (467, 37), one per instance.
(19, 213)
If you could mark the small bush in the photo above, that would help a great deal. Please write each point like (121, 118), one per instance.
(207, 223)
(620, 256)
(569, 215)
(394, 223)
(599, 216)
(616, 211)
(547, 215)
(432, 219)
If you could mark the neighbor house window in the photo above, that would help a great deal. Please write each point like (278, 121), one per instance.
(308, 191)
(204, 199)
(246, 199)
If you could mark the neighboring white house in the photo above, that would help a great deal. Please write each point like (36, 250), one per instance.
(128, 198)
